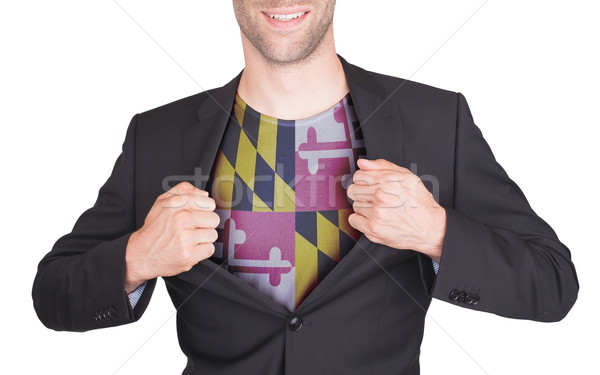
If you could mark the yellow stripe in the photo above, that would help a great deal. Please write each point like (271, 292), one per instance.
(222, 188)
(284, 197)
(306, 268)
(267, 139)
(239, 109)
(328, 237)
(246, 160)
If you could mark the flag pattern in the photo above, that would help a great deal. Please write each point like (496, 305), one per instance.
(280, 188)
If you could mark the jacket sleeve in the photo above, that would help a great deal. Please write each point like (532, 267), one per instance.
(80, 283)
(498, 255)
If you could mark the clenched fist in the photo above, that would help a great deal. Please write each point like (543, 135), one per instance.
(178, 232)
(392, 207)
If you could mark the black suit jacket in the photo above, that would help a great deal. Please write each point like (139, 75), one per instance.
(367, 315)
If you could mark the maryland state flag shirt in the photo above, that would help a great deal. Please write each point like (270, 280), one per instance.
(280, 188)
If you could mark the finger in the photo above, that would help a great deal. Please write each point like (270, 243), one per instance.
(363, 208)
(358, 222)
(190, 219)
(375, 177)
(379, 164)
(183, 188)
(204, 235)
(362, 193)
(365, 178)
(204, 251)
(204, 220)
(201, 202)
(192, 201)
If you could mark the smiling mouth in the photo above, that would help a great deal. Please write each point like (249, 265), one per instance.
(286, 17)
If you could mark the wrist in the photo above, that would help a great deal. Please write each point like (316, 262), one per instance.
(134, 275)
(435, 239)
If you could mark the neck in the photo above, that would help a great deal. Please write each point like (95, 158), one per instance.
(293, 91)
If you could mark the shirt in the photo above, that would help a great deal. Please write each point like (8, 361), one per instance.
(280, 188)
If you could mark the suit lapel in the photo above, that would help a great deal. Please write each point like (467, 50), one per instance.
(379, 118)
(381, 126)
(201, 141)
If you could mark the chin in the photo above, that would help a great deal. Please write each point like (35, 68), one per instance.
(287, 53)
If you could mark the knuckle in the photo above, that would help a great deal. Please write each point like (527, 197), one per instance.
(358, 176)
(181, 217)
(369, 227)
(377, 213)
(175, 200)
(380, 196)
(205, 203)
(403, 170)
(391, 177)
(408, 176)
(412, 179)
(184, 185)
(180, 188)
(416, 181)
(373, 229)
(184, 254)
(183, 239)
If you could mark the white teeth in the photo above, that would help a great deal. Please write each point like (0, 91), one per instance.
(286, 17)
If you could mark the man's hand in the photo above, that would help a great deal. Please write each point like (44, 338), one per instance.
(178, 232)
(392, 207)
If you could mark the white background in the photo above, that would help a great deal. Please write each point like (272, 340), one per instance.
(73, 73)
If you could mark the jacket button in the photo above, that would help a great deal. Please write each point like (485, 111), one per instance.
(469, 299)
(461, 296)
(112, 312)
(475, 299)
(453, 295)
(295, 323)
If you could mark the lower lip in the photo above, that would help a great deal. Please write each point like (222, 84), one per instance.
(277, 24)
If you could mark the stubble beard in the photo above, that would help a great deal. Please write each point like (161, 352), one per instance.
(300, 52)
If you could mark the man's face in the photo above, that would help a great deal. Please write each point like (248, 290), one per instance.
(279, 40)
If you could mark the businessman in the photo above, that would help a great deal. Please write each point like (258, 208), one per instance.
(304, 215)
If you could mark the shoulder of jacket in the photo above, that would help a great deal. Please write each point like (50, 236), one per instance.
(405, 89)
(179, 112)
